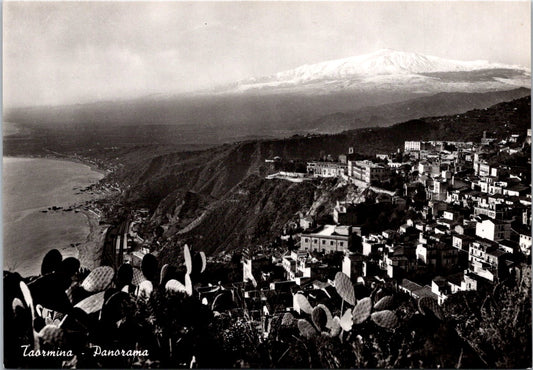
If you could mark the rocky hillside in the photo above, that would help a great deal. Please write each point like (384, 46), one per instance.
(255, 210)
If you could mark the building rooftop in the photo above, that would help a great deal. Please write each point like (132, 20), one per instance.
(367, 163)
(326, 230)
(410, 285)
(330, 230)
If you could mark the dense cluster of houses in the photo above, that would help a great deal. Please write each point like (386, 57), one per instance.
(470, 226)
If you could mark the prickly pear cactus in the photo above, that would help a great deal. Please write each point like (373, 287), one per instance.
(174, 286)
(204, 261)
(344, 287)
(187, 257)
(335, 326)
(188, 284)
(287, 319)
(385, 303)
(385, 319)
(99, 279)
(52, 335)
(92, 303)
(320, 319)
(306, 329)
(328, 315)
(362, 310)
(303, 303)
(346, 320)
(427, 305)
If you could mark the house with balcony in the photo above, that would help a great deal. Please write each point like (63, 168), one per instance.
(297, 266)
(487, 260)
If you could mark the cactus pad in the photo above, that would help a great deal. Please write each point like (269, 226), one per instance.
(99, 279)
(287, 319)
(344, 287)
(362, 310)
(16, 304)
(346, 320)
(116, 306)
(26, 294)
(303, 303)
(427, 305)
(385, 303)
(92, 304)
(187, 257)
(385, 319)
(163, 274)
(320, 319)
(306, 329)
(150, 267)
(175, 286)
(188, 284)
(138, 277)
(145, 289)
(335, 326)
(52, 335)
(204, 261)
(328, 315)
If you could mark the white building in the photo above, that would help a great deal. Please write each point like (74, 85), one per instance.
(412, 146)
(326, 169)
(444, 287)
(330, 238)
(525, 243)
(295, 266)
(367, 171)
(485, 259)
(493, 230)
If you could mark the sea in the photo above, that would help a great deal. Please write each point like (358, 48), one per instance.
(30, 186)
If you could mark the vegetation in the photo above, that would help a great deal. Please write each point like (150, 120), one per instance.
(172, 326)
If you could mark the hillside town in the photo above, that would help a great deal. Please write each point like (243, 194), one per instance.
(471, 224)
(467, 227)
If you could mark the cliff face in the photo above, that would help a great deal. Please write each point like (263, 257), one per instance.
(158, 182)
(256, 210)
(254, 213)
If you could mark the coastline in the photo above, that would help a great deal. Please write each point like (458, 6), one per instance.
(60, 157)
(89, 250)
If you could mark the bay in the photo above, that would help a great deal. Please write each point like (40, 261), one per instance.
(31, 185)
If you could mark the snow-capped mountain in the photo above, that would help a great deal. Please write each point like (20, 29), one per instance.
(395, 70)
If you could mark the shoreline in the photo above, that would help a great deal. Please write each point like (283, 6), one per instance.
(60, 157)
(89, 251)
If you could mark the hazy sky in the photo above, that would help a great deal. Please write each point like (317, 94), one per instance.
(69, 52)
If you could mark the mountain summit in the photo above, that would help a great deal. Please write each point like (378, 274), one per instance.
(394, 69)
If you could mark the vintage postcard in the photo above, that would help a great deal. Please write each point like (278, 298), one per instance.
(267, 184)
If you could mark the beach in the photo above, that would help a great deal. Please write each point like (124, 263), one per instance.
(90, 251)
(45, 207)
